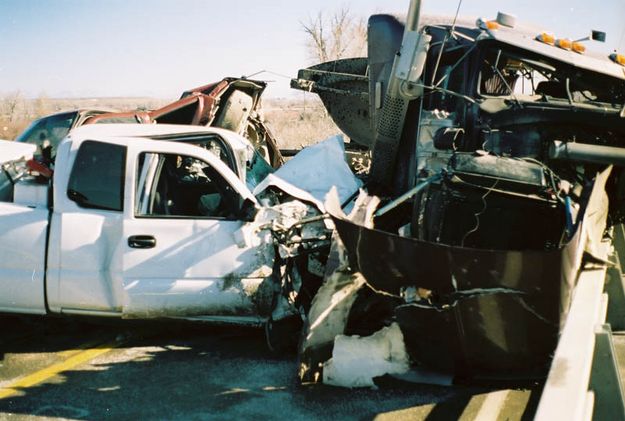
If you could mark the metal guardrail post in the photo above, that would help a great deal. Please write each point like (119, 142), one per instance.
(615, 287)
(566, 395)
(618, 233)
(605, 380)
(616, 297)
(584, 381)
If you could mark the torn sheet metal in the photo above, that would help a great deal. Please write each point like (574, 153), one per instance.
(471, 312)
(362, 210)
(260, 282)
(253, 254)
(390, 262)
(492, 332)
(342, 87)
(328, 314)
(311, 174)
(464, 312)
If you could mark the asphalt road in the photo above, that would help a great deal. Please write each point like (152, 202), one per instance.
(80, 369)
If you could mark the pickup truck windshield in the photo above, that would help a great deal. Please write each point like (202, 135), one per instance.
(53, 129)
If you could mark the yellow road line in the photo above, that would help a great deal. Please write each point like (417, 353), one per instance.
(71, 352)
(492, 406)
(51, 371)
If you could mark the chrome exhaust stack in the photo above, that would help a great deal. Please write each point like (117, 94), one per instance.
(402, 87)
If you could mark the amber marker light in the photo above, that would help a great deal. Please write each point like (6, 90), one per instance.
(490, 25)
(564, 43)
(546, 38)
(618, 58)
(578, 47)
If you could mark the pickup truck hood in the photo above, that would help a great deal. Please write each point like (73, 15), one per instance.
(10, 151)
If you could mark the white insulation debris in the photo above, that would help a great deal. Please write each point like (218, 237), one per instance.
(357, 360)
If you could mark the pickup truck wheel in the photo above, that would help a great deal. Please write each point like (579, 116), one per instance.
(283, 335)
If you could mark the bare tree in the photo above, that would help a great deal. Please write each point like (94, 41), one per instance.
(341, 35)
(10, 104)
(317, 42)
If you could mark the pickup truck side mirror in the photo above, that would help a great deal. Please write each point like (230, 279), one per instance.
(247, 211)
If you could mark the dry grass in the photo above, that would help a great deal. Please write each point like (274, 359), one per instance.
(295, 123)
(298, 123)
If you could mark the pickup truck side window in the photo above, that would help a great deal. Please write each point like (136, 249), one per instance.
(97, 178)
(171, 185)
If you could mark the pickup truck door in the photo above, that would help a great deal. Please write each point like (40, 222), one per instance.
(86, 227)
(22, 257)
(181, 256)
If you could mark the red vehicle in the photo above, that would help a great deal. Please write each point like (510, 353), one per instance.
(232, 103)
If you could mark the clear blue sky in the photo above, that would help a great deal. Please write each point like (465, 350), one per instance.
(159, 48)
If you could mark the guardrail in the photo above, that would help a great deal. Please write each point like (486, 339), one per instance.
(584, 381)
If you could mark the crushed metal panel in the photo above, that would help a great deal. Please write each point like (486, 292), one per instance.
(391, 262)
(494, 313)
(328, 314)
(496, 335)
(312, 173)
(511, 317)
(232, 103)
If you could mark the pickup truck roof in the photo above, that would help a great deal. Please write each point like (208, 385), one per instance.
(247, 165)
(156, 130)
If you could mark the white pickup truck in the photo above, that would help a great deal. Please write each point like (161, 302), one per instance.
(138, 221)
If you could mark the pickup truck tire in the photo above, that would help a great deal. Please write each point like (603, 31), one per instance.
(283, 335)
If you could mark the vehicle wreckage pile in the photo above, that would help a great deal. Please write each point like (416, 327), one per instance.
(496, 168)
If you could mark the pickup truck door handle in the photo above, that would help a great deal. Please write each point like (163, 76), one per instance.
(141, 241)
